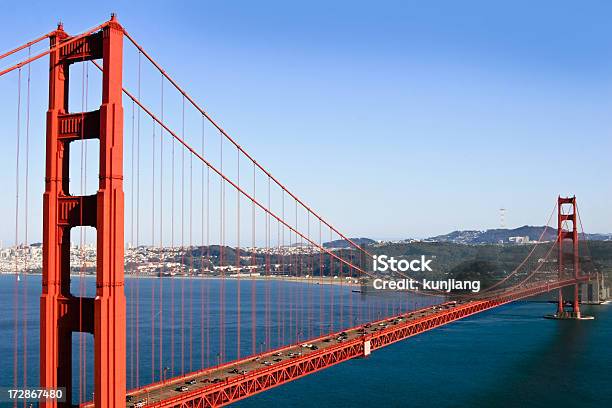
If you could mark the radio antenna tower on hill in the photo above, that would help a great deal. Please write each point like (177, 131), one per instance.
(502, 218)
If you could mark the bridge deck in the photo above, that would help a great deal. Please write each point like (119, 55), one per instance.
(225, 373)
(233, 381)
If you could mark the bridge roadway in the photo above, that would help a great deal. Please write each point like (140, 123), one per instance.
(225, 373)
(222, 385)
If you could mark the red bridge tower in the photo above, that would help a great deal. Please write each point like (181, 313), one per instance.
(62, 313)
(567, 233)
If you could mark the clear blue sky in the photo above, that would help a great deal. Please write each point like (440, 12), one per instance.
(428, 116)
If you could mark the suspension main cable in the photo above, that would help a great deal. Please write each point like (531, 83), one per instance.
(52, 49)
(230, 139)
(227, 180)
(29, 44)
(187, 97)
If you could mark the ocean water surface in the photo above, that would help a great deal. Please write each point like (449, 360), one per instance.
(507, 357)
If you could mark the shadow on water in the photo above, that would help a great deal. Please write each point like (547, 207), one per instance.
(508, 357)
(547, 374)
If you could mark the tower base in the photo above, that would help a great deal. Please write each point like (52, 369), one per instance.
(568, 316)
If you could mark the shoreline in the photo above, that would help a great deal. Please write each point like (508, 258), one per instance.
(315, 280)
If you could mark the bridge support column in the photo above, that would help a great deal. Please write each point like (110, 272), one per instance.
(62, 313)
(560, 302)
(567, 230)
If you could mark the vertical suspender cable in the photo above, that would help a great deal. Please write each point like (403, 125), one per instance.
(349, 292)
(268, 267)
(132, 295)
(153, 308)
(172, 270)
(210, 265)
(291, 292)
(321, 266)
(203, 280)
(161, 232)
(190, 262)
(25, 277)
(332, 288)
(237, 255)
(284, 315)
(308, 272)
(221, 260)
(16, 289)
(278, 286)
(183, 246)
(341, 267)
(297, 259)
(138, 231)
(298, 291)
(253, 264)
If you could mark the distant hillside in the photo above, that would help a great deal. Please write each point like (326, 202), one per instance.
(494, 236)
(483, 261)
(599, 237)
(342, 243)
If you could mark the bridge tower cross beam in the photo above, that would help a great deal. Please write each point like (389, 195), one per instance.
(564, 234)
(61, 312)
